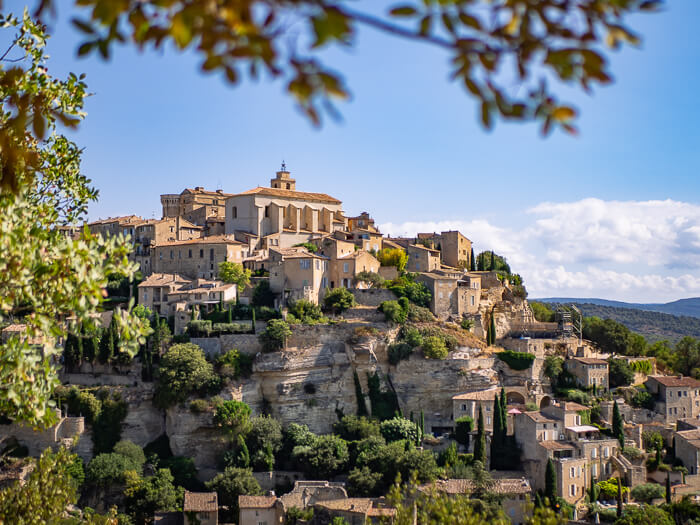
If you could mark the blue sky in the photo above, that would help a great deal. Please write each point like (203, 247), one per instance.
(576, 216)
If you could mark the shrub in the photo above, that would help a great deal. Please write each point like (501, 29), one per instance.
(516, 360)
(646, 492)
(265, 432)
(306, 311)
(229, 328)
(643, 367)
(399, 428)
(621, 373)
(519, 291)
(466, 324)
(393, 257)
(608, 489)
(183, 371)
(338, 300)
(415, 292)
(419, 314)
(411, 336)
(262, 295)
(106, 469)
(576, 396)
(275, 335)
(643, 399)
(632, 453)
(463, 428)
(393, 312)
(371, 279)
(434, 347)
(356, 428)
(107, 425)
(233, 416)
(398, 352)
(132, 451)
(200, 328)
(265, 313)
(240, 364)
(325, 457)
(199, 406)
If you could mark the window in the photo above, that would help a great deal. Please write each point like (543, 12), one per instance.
(234, 212)
(318, 264)
(305, 283)
(572, 490)
(488, 420)
(472, 300)
(346, 267)
(606, 452)
(267, 211)
(145, 296)
(594, 470)
(171, 254)
(201, 253)
(189, 253)
(304, 264)
(172, 229)
(417, 266)
(578, 420)
(572, 472)
(594, 453)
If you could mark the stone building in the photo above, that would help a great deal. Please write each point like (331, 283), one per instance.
(282, 215)
(166, 294)
(422, 259)
(345, 261)
(687, 449)
(468, 404)
(200, 508)
(589, 372)
(257, 510)
(296, 273)
(676, 396)
(452, 293)
(112, 226)
(355, 511)
(197, 258)
(151, 233)
(195, 205)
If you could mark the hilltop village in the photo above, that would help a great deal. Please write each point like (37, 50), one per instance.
(301, 359)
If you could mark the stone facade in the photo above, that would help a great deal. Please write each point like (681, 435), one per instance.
(589, 372)
(422, 259)
(296, 273)
(676, 396)
(197, 258)
(195, 205)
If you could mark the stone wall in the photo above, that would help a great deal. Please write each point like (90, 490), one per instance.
(213, 346)
(373, 296)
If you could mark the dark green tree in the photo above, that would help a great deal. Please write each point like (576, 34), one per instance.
(361, 404)
(492, 264)
(618, 425)
(472, 261)
(107, 345)
(480, 444)
(550, 484)
(619, 497)
(463, 429)
(668, 487)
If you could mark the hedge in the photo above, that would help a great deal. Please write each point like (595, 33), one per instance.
(516, 360)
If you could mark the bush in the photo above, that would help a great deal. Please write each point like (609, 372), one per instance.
(356, 428)
(643, 399)
(643, 367)
(621, 373)
(132, 451)
(393, 312)
(516, 360)
(275, 335)
(434, 347)
(265, 313)
(608, 489)
(399, 428)
(466, 324)
(411, 336)
(463, 428)
(240, 364)
(199, 406)
(632, 453)
(576, 396)
(398, 352)
(229, 328)
(419, 314)
(415, 292)
(201, 328)
(233, 416)
(183, 371)
(371, 279)
(325, 457)
(338, 300)
(647, 492)
(106, 469)
(306, 311)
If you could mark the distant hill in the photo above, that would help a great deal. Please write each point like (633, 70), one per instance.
(684, 307)
(651, 324)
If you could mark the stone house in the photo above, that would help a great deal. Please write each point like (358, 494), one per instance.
(355, 511)
(197, 258)
(687, 449)
(151, 233)
(167, 293)
(422, 259)
(452, 293)
(288, 215)
(676, 396)
(589, 372)
(345, 261)
(112, 226)
(515, 494)
(260, 510)
(200, 508)
(455, 249)
(296, 273)
(195, 204)
(468, 404)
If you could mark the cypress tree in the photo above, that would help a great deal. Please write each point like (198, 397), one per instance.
(243, 459)
(361, 405)
(493, 265)
(618, 426)
(422, 422)
(480, 443)
(229, 314)
(496, 441)
(619, 497)
(668, 488)
(472, 262)
(504, 415)
(550, 483)
(491, 332)
(253, 320)
(106, 349)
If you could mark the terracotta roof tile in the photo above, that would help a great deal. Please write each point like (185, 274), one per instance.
(214, 239)
(466, 486)
(676, 381)
(292, 194)
(480, 395)
(256, 502)
(590, 360)
(200, 501)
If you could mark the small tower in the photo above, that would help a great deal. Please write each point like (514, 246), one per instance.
(283, 181)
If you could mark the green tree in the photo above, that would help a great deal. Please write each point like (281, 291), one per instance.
(46, 493)
(644, 515)
(356, 428)
(264, 432)
(263, 295)
(397, 429)
(472, 261)
(338, 300)
(480, 443)
(647, 492)
(491, 333)
(230, 484)
(550, 483)
(234, 417)
(621, 373)
(463, 429)
(393, 312)
(668, 487)
(234, 273)
(132, 451)
(109, 468)
(553, 368)
(45, 273)
(618, 425)
(687, 357)
(363, 482)
(183, 371)
(434, 347)
(326, 456)
(393, 257)
(145, 496)
(371, 279)
(275, 335)
(361, 403)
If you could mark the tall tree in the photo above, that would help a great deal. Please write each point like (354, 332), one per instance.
(480, 443)
(619, 496)
(550, 483)
(668, 487)
(618, 426)
(472, 262)
(492, 265)
(496, 435)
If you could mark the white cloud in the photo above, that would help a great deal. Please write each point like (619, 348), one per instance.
(627, 250)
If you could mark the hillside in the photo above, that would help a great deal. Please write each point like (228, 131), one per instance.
(652, 325)
(682, 307)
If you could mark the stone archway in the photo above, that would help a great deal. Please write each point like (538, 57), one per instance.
(545, 401)
(515, 398)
